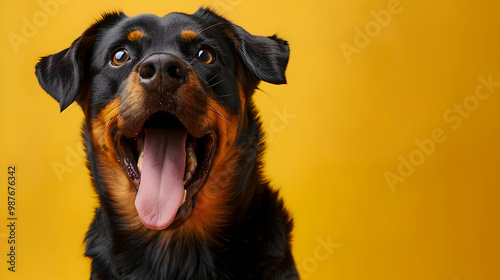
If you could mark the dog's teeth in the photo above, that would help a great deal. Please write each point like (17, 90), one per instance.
(185, 194)
(191, 163)
(139, 161)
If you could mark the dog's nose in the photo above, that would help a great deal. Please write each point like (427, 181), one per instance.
(162, 72)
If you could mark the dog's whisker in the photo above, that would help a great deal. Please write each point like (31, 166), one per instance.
(211, 26)
(212, 85)
(218, 112)
(214, 123)
(192, 61)
(261, 90)
(215, 76)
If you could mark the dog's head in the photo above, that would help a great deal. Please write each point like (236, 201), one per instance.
(164, 99)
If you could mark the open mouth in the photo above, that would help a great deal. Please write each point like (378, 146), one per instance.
(168, 166)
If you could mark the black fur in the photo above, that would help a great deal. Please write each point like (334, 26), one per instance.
(61, 74)
(254, 242)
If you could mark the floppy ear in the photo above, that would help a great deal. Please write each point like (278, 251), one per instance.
(62, 74)
(265, 57)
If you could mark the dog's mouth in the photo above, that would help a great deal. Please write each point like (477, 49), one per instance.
(168, 166)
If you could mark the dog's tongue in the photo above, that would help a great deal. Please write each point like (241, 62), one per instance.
(161, 190)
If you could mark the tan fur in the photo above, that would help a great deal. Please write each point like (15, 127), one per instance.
(135, 35)
(188, 35)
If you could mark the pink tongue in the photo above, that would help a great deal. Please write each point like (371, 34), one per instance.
(162, 188)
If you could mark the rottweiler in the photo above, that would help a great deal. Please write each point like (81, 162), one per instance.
(174, 146)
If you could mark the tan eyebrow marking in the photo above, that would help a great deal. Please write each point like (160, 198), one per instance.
(188, 35)
(135, 35)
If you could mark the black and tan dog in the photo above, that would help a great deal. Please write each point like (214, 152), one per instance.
(174, 146)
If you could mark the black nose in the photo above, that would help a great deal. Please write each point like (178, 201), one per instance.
(162, 72)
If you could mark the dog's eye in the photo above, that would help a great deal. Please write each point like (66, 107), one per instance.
(120, 57)
(206, 56)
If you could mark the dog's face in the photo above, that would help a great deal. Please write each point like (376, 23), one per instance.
(164, 102)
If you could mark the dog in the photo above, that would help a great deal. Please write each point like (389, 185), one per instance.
(174, 146)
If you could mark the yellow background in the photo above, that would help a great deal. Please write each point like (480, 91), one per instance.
(335, 131)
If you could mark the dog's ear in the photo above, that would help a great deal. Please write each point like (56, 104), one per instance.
(265, 57)
(62, 74)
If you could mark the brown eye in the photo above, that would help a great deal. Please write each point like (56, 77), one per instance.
(120, 57)
(205, 56)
